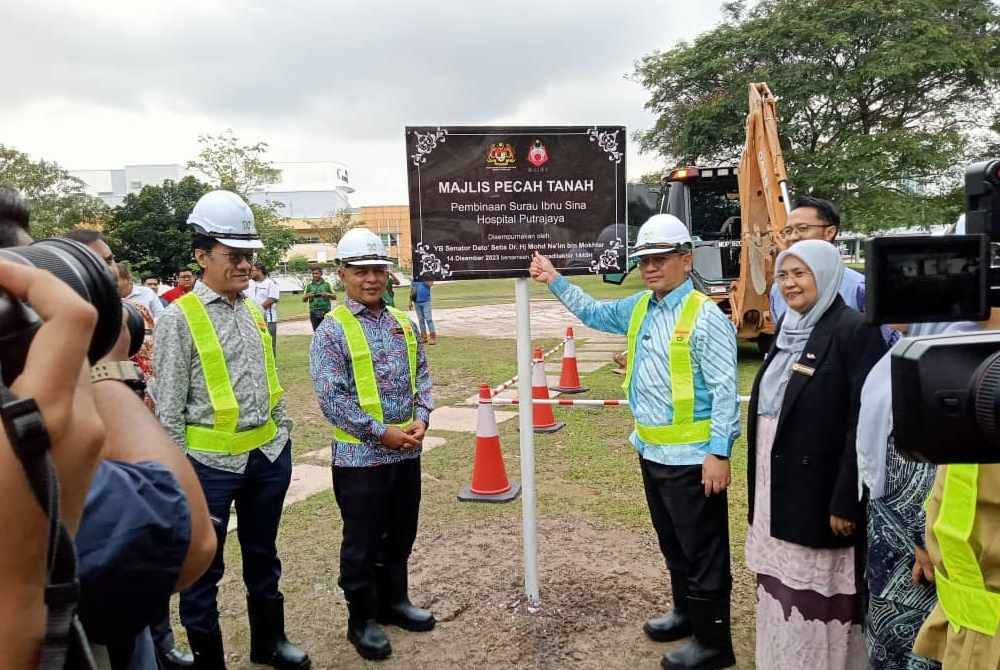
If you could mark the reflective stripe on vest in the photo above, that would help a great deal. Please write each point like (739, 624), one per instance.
(364, 369)
(222, 437)
(684, 429)
(962, 592)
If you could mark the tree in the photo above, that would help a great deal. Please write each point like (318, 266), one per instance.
(298, 265)
(877, 99)
(58, 201)
(245, 169)
(149, 229)
(330, 229)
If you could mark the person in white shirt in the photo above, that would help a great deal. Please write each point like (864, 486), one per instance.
(264, 291)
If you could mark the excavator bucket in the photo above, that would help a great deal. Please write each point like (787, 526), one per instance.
(763, 212)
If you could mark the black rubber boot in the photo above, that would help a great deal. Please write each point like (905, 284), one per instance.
(363, 631)
(207, 650)
(675, 624)
(394, 606)
(711, 646)
(268, 644)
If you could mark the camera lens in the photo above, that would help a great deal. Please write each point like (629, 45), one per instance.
(136, 327)
(86, 274)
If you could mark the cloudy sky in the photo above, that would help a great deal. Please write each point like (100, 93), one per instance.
(100, 85)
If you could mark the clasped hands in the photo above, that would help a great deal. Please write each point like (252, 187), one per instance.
(402, 439)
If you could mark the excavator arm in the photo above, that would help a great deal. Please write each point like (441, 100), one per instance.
(764, 208)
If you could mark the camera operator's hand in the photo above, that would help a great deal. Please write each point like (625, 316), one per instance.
(57, 376)
(119, 352)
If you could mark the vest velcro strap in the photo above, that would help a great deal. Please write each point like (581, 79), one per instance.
(679, 433)
(968, 607)
(203, 438)
(344, 436)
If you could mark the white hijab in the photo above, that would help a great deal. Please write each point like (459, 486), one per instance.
(823, 260)
(875, 417)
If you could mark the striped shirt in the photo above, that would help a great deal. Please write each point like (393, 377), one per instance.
(713, 359)
(180, 391)
(333, 380)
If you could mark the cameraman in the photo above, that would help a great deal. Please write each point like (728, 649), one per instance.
(145, 530)
(55, 375)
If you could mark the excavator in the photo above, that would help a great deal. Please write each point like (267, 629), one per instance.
(735, 214)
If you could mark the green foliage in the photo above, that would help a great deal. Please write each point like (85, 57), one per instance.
(331, 228)
(58, 201)
(298, 264)
(277, 237)
(149, 229)
(877, 100)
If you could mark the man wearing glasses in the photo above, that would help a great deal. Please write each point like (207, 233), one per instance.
(220, 398)
(817, 219)
(680, 382)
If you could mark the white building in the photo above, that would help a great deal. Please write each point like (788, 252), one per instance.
(305, 190)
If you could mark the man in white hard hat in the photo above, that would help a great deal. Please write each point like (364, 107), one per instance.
(680, 381)
(218, 395)
(370, 373)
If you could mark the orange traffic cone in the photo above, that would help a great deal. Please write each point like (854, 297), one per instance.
(569, 379)
(543, 420)
(489, 476)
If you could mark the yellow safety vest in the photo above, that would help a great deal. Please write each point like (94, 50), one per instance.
(684, 429)
(962, 591)
(222, 437)
(364, 369)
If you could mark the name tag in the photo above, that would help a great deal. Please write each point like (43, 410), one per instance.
(803, 369)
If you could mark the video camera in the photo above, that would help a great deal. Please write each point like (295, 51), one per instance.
(86, 274)
(945, 388)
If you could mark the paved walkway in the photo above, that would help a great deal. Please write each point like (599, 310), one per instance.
(548, 319)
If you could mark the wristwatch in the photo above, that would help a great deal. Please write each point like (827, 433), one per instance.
(126, 372)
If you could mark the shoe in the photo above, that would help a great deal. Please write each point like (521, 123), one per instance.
(268, 644)
(363, 631)
(711, 645)
(174, 659)
(675, 624)
(207, 650)
(394, 606)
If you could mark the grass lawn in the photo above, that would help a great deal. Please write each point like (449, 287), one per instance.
(586, 473)
(477, 292)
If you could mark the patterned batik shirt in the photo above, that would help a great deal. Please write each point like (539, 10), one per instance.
(180, 391)
(333, 379)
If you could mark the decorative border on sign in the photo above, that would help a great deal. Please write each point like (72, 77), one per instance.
(427, 143)
(608, 142)
(430, 263)
(608, 259)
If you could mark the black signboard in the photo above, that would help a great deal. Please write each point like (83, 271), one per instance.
(482, 199)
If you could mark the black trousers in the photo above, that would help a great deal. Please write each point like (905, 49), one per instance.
(316, 318)
(693, 529)
(380, 509)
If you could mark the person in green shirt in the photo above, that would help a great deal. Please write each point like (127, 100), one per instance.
(389, 297)
(318, 294)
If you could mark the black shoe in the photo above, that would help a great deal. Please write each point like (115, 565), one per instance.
(268, 644)
(395, 607)
(174, 659)
(366, 634)
(369, 639)
(207, 650)
(676, 624)
(711, 646)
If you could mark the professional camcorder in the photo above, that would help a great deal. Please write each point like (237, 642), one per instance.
(86, 274)
(945, 388)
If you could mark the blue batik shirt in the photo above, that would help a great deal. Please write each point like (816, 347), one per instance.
(713, 359)
(333, 380)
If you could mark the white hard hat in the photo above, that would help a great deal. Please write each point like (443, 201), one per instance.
(661, 234)
(224, 216)
(360, 246)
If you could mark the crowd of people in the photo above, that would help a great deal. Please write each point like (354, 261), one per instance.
(836, 538)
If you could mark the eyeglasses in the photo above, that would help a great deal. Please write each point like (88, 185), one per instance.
(796, 275)
(237, 257)
(800, 230)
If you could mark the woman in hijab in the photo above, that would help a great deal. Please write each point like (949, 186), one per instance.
(805, 516)
(898, 571)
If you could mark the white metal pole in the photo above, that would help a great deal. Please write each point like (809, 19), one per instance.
(523, 303)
